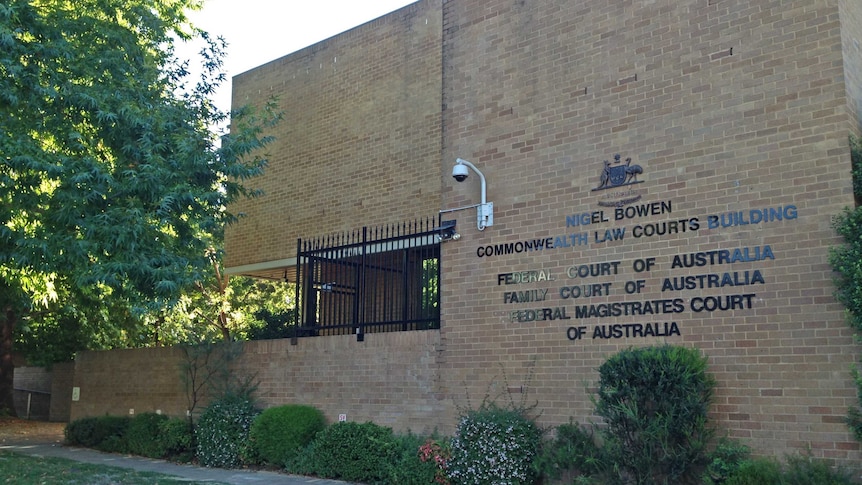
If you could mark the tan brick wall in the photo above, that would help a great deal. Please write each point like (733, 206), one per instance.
(727, 106)
(360, 140)
(119, 381)
(62, 377)
(390, 378)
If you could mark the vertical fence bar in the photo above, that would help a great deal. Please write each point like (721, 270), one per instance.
(297, 314)
(359, 291)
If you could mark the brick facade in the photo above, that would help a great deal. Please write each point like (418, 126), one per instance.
(391, 378)
(360, 143)
(735, 117)
(728, 108)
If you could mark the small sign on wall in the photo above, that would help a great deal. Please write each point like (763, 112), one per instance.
(76, 393)
(342, 418)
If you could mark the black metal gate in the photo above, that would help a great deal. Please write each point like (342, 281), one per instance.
(385, 279)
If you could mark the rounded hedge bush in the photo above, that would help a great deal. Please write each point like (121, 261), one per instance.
(353, 452)
(104, 433)
(278, 434)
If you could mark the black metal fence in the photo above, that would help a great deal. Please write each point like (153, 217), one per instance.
(385, 279)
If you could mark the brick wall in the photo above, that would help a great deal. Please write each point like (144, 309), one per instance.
(389, 378)
(62, 376)
(360, 141)
(728, 107)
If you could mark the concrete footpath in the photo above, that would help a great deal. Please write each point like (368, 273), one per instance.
(186, 472)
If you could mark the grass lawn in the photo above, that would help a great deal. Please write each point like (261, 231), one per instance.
(30, 470)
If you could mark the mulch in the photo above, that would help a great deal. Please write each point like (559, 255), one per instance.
(15, 430)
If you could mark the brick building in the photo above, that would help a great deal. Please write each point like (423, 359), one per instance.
(660, 171)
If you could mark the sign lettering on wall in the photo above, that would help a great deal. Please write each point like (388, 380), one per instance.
(573, 293)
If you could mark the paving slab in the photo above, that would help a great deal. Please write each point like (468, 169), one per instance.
(189, 472)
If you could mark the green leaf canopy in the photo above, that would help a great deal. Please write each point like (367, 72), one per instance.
(111, 174)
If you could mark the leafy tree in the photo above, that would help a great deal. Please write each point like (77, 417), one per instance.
(78, 319)
(111, 176)
(223, 307)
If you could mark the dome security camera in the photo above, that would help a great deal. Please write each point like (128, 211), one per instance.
(460, 172)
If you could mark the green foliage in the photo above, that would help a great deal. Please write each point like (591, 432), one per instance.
(352, 452)
(111, 166)
(222, 431)
(111, 178)
(846, 260)
(495, 445)
(271, 325)
(573, 451)
(278, 434)
(177, 439)
(654, 401)
(856, 167)
(144, 437)
(798, 470)
(422, 468)
(146, 434)
(105, 433)
(78, 319)
(759, 471)
(724, 461)
(805, 470)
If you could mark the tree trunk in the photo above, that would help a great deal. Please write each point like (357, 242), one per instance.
(7, 366)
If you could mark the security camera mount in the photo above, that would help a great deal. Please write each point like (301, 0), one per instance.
(484, 210)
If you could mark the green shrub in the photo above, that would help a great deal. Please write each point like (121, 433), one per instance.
(759, 471)
(494, 445)
(105, 433)
(222, 431)
(798, 470)
(724, 461)
(805, 470)
(353, 452)
(144, 436)
(654, 401)
(178, 439)
(278, 434)
(572, 452)
(304, 462)
(418, 461)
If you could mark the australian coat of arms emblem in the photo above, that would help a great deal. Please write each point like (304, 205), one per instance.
(616, 174)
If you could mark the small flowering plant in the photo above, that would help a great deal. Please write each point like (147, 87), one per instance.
(494, 445)
(439, 454)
